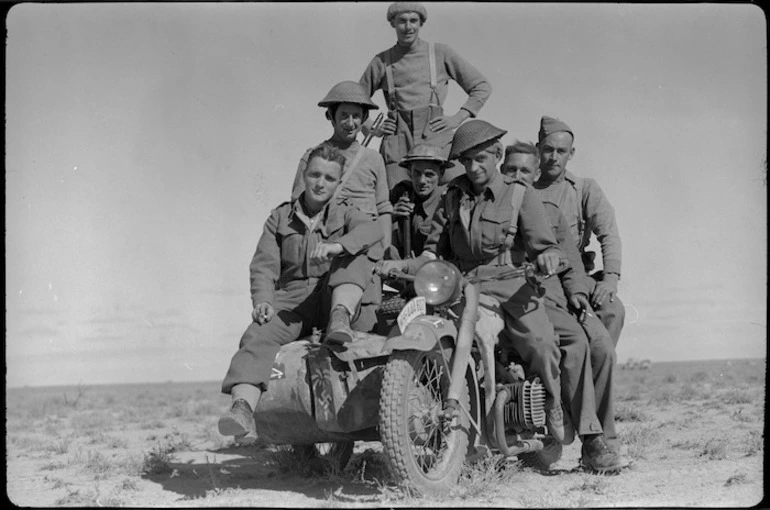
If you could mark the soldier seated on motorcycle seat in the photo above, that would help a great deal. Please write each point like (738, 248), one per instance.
(415, 202)
(587, 350)
(471, 230)
(312, 252)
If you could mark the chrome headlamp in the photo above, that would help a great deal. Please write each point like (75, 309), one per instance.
(438, 282)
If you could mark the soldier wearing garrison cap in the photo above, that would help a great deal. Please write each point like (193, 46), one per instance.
(587, 211)
(587, 351)
(414, 77)
(473, 228)
(364, 185)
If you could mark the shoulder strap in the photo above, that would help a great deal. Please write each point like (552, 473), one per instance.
(581, 206)
(349, 172)
(389, 80)
(517, 197)
(432, 62)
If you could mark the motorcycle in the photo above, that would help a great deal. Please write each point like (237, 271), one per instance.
(438, 390)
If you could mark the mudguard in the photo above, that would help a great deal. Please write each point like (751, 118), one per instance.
(422, 334)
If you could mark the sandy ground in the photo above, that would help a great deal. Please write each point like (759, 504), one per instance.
(694, 430)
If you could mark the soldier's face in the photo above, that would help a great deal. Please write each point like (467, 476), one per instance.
(521, 166)
(407, 26)
(347, 122)
(480, 166)
(425, 177)
(321, 180)
(555, 150)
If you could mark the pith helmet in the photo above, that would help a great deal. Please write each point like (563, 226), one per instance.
(425, 152)
(550, 125)
(348, 92)
(397, 8)
(472, 134)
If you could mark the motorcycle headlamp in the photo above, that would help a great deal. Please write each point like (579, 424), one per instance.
(438, 282)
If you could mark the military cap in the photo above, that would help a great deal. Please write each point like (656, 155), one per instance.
(472, 134)
(425, 152)
(550, 125)
(397, 8)
(348, 92)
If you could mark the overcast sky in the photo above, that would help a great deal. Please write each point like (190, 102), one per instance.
(146, 144)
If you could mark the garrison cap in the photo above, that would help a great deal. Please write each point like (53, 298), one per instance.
(473, 133)
(550, 125)
(348, 92)
(425, 152)
(397, 8)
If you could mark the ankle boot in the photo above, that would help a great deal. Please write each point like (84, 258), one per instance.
(339, 331)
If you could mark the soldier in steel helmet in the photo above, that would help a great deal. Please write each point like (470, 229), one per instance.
(414, 77)
(306, 253)
(588, 211)
(472, 228)
(415, 201)
(364, 185)
(587, 352)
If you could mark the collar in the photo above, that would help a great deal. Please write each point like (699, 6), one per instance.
(296, 207)
(338, 145)
(566, 176)
(431, 202)
(493, 189)
(418, 45)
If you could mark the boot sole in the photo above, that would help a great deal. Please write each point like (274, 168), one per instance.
(609, 469)
(229, 426)
(338, 338)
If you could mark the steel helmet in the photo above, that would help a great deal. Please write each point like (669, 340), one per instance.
(472, 134)
(348, 92)
(425, 152)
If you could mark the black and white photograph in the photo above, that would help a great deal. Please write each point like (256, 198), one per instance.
(385, 254)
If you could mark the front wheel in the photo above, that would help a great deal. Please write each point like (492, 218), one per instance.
(423, 449)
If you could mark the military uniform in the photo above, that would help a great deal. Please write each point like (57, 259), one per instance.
(470, 231)
(587, 210)
(299, 290)
(413, 100)
(419, 222)
(587, 351)
(367, 190)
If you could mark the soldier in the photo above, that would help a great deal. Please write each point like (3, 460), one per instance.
(472, 229)
(309, 245)
(587, 351)
(414, 77)
(415, 202)
(587, 211)
(363, 185)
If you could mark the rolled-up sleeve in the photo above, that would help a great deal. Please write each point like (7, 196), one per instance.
(600, 219)
(382, 193)
(468, 78)
(361, 231)
(265, 266)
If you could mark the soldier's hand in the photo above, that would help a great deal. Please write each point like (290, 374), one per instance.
(580, 303)
(388, 127)
(605, 289)
(444, 123)
(403, 208)
(262, 313)
(548, 262)
(323, 252)
(386, 267)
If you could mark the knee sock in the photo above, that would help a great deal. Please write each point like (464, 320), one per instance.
(247, 392)
(348, 295)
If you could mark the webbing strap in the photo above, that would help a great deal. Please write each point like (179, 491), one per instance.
(432, 62)
(389, 79)
(517, 197)
(349, 172)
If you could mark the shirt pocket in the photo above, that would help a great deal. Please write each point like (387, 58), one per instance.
(494, 225)
(335, 228)
(292, 245)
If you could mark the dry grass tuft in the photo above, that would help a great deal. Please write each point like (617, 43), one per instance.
(737, 479)
(638, 439)
(715, 449)
(629, 413)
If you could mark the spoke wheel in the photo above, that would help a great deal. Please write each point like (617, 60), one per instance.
(424, 450)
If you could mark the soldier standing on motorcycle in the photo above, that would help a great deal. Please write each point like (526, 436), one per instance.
(414, 77)
(472, 228)
(365, 186)
(587, 351)
(310, 247)
(415, 202)
(587, 211)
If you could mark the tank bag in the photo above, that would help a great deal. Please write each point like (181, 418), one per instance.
(517, 197)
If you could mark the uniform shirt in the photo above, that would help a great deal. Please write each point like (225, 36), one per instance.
(367, 187)
(411, 77)
(573, 280)
(284, 249)
(421, 219)
(488, 215)
(598, 215)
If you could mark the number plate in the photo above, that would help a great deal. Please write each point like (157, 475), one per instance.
(413, 309)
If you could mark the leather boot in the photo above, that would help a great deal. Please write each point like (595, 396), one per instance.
(555, 422)
(597, 456)
(339, 331)
(239, 422)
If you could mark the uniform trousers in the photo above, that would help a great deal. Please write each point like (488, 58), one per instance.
(586, 369)
(612, 313)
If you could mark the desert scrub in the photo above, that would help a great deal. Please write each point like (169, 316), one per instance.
(90, 421)
(158, 460)
(596, 484)
(369, 466)
(715, 449)
(629, 413)
(738, 396)
(754, 443)
(736, 479)
(482, 480)
(638, 439)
